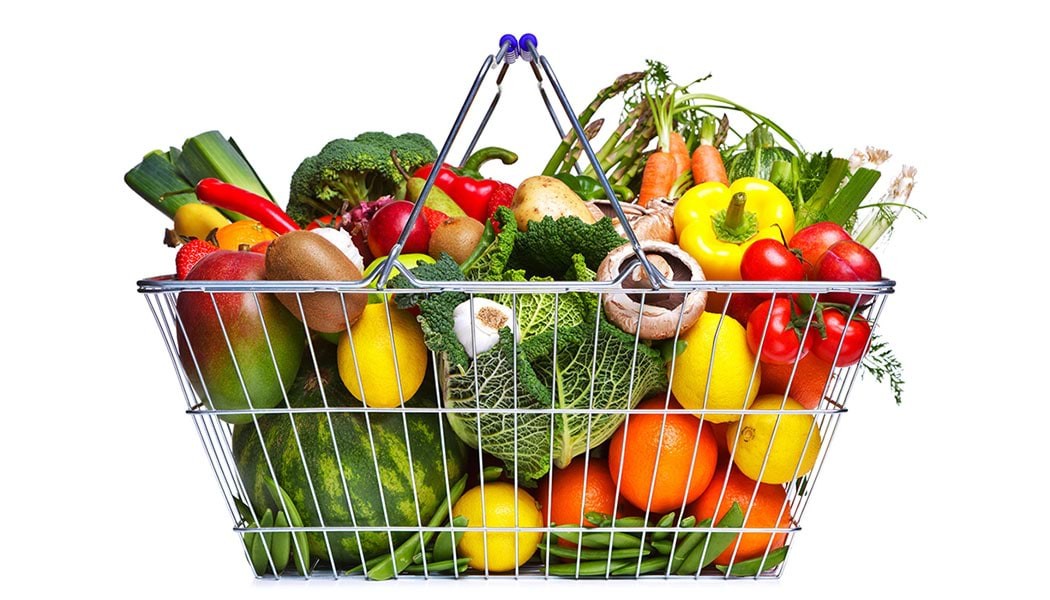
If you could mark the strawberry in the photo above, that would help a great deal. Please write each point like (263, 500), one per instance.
(434, 218)
(501, 196)
(189, 254)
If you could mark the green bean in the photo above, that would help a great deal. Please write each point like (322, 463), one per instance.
(393, 564)
(686, 545)
(616, 540)
(662, 546)
(419, 557)
(300, 546)
(592, 554)
(598, 519)
(569, 536)
(649, 565)
(717, 543)
(370, 564)
(281, 547)
(690, 521)
(262, 541)
(665, 521)
(243, 510)
(627, 522)
(490, 474)
(439, 567)
(591, 568)
(754, 566)
(446, 540)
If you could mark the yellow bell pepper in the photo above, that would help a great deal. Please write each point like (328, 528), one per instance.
(716, 224)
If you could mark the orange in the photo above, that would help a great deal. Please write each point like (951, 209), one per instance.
(570, 491)
(765, 512)
(673, 439)
(807, 387)
(720, 430)
(230, 237)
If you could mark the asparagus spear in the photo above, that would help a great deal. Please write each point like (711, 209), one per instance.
(622, 83)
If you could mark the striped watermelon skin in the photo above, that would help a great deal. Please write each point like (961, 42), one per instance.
(425, 476)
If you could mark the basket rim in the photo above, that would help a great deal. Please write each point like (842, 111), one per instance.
(168, 283)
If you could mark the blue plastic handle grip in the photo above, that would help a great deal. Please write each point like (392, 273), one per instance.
(523, 45)
(511, 43)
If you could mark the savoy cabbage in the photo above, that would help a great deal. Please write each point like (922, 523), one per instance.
(539, 401)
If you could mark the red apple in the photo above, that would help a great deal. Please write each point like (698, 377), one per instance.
(386, 225)
(848, 261)
(813, 241)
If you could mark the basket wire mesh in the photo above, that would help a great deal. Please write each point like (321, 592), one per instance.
(325, 535)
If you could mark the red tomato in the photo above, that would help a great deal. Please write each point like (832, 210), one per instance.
(769, 260)
(853, 337)
(741, 305)
(782, 344)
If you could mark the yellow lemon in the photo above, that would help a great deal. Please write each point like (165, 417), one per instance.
(502, 500)
(791, 440)
(374, 353)
(731, 386)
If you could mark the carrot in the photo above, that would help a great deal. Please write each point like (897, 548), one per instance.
(707, 165)
(707, 160)
(658, 177)
(671, 157)
(680, 152)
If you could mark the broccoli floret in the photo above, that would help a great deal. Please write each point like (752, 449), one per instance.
(353, 171)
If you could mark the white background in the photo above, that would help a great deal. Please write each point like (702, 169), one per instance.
(105, 487)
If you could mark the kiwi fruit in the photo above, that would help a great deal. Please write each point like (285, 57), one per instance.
(306, 256)
(457, 237)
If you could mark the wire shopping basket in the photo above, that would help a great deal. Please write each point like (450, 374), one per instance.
(368, 455)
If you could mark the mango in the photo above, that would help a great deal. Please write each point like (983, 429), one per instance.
(216, 373)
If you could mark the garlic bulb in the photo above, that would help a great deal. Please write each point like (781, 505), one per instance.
(478, 330)
(341, 239)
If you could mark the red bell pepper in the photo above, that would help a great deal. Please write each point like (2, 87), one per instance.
(466, 187)
(446, 177)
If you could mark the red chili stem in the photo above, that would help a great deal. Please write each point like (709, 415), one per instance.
(224, 195)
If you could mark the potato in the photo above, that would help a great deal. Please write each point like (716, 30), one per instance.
(542, 196)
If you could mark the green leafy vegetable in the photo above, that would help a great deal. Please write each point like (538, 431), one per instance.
(812, 169)
(881, 363)
(490, 257)
(498, 379)
(546, 248)
(603, 369)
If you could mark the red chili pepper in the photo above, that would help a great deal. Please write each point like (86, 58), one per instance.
(228, 196)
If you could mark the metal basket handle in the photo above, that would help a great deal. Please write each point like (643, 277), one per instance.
(509, 50)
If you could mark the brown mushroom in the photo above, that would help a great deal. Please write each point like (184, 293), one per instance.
(658, 222)
(655, 222)
(660, 314)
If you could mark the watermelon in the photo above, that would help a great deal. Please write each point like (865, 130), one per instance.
(427, 474)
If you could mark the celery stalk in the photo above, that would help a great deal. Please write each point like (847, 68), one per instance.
(848, 199)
